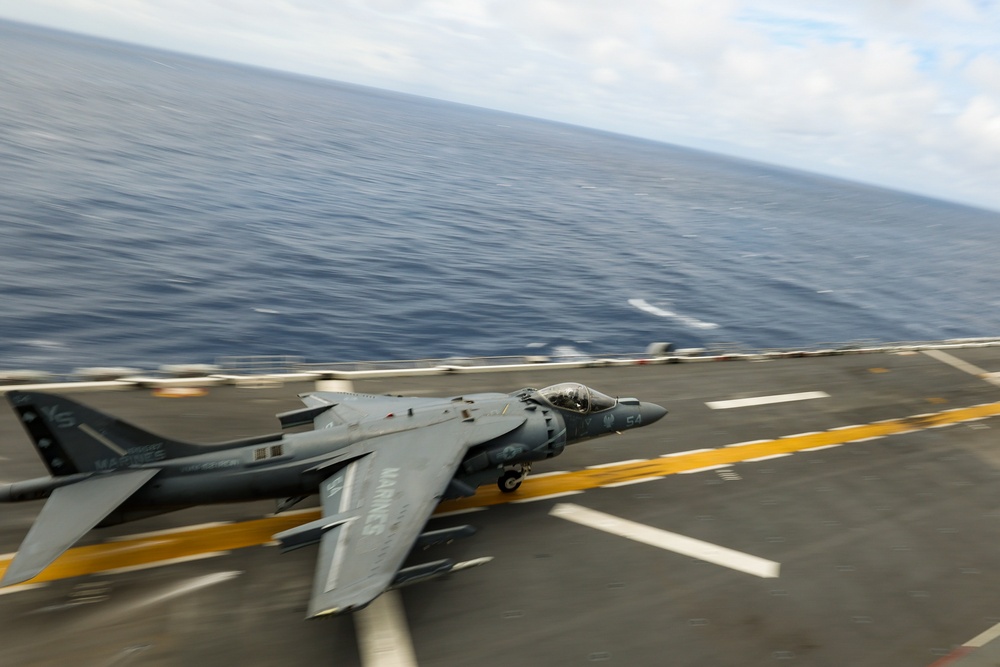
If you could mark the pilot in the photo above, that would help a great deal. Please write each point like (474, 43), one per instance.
(574, 398)
(568, 396)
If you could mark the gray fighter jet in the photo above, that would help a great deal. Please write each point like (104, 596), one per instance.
(380, 465)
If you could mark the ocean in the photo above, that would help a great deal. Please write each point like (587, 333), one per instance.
(161, 208)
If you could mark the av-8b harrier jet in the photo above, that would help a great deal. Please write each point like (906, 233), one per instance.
(380, 465)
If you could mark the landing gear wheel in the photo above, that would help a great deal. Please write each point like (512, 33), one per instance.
(510, 481)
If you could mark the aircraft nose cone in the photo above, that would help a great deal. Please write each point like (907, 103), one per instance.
(651, 412)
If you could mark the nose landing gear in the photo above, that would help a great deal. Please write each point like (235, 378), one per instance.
(510, 480)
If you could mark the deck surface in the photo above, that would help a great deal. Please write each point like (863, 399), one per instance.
(885, 545)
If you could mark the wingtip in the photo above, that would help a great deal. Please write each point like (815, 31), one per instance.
(324, 613)
(14, 575)
(336, 611)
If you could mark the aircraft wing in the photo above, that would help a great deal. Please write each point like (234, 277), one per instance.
(67, 515)
(374, 509)
(334, 407)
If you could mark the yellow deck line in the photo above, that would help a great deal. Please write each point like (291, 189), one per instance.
(596, 477)
(145, 550)
(125, 552)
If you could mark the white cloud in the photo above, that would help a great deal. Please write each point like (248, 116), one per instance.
(605, 76)
(903, 93)
(979, 125)
(983, 72)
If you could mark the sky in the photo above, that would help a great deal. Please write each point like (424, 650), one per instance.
(898, 93)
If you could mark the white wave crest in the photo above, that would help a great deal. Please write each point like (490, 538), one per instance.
(45, 344)
(567, 353)
(692, 322)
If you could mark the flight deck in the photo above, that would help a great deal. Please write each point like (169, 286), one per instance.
(823, 511)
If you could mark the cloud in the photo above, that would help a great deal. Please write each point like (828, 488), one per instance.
(983, 73)
(979, 125)
(901, 93)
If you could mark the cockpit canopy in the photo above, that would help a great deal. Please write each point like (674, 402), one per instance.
(576, 397)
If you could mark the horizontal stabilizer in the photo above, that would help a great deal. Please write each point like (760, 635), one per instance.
(70, 512)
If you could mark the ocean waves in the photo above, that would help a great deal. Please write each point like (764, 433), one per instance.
(157, 214)
(684, 320)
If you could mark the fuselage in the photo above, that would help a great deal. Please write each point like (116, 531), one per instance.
(292, 465)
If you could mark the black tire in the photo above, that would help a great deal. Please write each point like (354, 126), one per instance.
(509, 482)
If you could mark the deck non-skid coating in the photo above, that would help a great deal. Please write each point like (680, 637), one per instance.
(124, 552)
(879, 503)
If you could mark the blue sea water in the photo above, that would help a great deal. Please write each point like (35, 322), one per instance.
(161, 208)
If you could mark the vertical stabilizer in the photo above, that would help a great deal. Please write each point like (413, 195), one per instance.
(72, 438)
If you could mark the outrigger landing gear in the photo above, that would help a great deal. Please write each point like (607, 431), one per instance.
(510, 480)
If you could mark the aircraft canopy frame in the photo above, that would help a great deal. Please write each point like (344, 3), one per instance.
(576, 397)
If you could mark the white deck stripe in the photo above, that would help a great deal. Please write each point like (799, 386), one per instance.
(172, 531)
(955, 362)
(615, 463)
(335, 385)
(687, 546)
(7, 590)
(163, 563)
(690, 451)
(181, 588)
(467, 510)
(984, 638)
(768, 457)
(705, 469)
(548, 497)
(766, 400)
(615, 485)
(748, 442)
(383, 635)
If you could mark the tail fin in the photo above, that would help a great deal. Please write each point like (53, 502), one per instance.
(72, 438)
